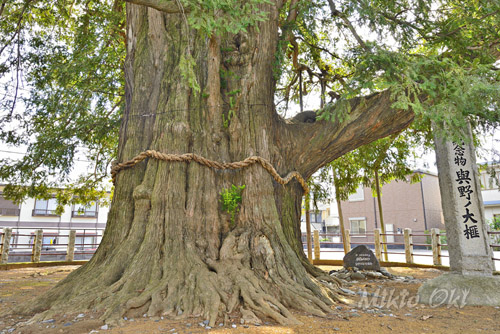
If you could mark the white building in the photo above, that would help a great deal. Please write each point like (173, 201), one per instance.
(89, 221)
(491, 192)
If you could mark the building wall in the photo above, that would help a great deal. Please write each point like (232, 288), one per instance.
(432, 200)
(24, 225)
(491, 200)
(403, 207)
(416, 206)
(359, 208)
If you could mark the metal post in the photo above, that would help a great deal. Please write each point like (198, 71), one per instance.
(436, 246)
(378, 248)
(316, 245)
(37, 246)
(4, 250)
(408, 245)
(70, 253)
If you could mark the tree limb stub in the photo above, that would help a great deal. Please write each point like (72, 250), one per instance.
(169, 7)
(370, 118)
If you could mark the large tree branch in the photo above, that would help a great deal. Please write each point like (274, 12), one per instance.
(308, 146)
(163, 6)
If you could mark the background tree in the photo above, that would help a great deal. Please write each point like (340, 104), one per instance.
(384, 161)
(61, 70)
(372, 165)
(200, 77)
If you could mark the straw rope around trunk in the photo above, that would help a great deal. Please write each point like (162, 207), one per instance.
(188, 157)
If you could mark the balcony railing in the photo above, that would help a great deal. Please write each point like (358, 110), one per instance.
(44, 212)
(84, 214)
(9, 211)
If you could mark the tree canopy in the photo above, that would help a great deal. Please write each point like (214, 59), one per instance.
(61, 69)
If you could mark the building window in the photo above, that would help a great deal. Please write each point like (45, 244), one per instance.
(85, 242)
(8, 208)
(85, 210)
(358, 225)
(359, 195)
(49, 240)
(316, 217)
(490, 180)
(45, 207)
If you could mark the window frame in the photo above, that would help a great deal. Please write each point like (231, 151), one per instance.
(76, 214)
(360, 193)
(47, 212)
(6, 212)
(85, 246)
(357, 219)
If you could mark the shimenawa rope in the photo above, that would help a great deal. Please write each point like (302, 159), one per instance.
(188, 157)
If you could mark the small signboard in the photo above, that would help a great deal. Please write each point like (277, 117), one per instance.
(362, 258)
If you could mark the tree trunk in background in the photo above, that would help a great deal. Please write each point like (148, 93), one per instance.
(381, 215)
(168, 248)
(341, 216)
(342, 227)
(307, 205)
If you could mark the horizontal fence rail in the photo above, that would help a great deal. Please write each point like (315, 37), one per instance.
(50, 244)
(407, 247)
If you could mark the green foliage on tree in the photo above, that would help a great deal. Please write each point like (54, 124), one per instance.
(494, 224)
(390, 156)
(61, 69)
(230, 200)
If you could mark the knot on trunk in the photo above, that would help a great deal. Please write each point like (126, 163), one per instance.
(142, 192)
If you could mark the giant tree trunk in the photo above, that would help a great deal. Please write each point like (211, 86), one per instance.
(168, 247)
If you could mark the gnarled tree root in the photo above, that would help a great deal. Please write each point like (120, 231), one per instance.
(251, 277)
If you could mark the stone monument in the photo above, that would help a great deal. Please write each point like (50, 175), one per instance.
(362, 258)
(471, 266)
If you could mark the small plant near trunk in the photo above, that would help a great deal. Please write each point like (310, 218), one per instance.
(231, 200)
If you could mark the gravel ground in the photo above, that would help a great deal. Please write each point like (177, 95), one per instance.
(375, 305)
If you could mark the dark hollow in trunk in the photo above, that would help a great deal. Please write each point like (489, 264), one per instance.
(168, 248)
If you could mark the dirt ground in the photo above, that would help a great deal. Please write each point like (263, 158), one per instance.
(396, 312)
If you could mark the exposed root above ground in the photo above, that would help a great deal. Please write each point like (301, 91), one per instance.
(250, 278)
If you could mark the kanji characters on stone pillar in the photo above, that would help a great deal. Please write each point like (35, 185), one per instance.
(464, 189)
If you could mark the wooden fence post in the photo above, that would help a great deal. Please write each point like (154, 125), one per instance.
(317, 250)
(436, 247)
(37, 246)
(347, 243)
(378, 248)
(4, 250)
(408, 245)
(70, 253)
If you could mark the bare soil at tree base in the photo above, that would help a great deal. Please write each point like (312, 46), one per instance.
(403, 315)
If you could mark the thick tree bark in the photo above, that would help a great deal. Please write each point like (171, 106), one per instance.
(168, 249)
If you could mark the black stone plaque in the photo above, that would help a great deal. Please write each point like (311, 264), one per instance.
(362, 258)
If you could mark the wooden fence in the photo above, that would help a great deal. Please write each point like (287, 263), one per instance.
(47, 244)
(36, 248)
(434, 240)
